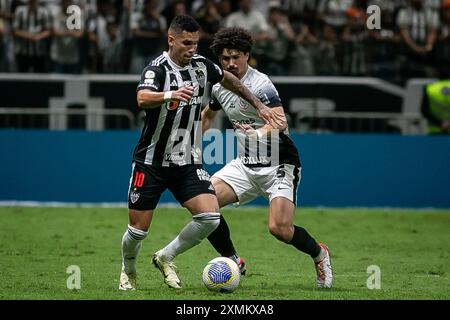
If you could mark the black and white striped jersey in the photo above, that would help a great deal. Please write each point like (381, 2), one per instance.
(172, 133)
(33, 21)
(418, 22)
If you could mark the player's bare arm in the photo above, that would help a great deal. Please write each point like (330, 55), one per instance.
(208, 117)
(232, 83)
(148, 99)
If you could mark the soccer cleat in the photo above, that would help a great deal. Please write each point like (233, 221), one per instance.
(324, 270)
(168, 271)
(242, 267)
(127, 282)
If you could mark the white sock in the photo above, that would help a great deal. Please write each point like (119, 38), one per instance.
(131, 245)
(192, 234)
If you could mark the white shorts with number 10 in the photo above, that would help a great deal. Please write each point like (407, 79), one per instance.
(269, 182)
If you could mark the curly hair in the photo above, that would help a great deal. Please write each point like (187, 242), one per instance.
(232, 38)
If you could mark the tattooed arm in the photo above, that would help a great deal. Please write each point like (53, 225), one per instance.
(232, 83)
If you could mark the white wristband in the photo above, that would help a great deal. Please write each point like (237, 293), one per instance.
(168, 95)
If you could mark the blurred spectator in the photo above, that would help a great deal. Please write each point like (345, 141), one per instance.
(418, 30)
(334, 13)
(149, 36)
(31, 28)
(173, 9)
(354, 36)
(302, 57)
(326, 57)
(252, 20)
(302, 12)
(224, 7)
(384, 46)
(65, 47)
(436, 106)
(432, 4)
(298, 37)
(97, 33)
(442, 53)
(6, 56)
(111, 49)
(280, 36)
(209, 19)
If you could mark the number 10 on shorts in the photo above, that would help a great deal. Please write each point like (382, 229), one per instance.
(138, 179)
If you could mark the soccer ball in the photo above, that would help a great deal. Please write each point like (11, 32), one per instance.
(221, 275)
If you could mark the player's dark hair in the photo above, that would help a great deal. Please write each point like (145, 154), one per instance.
(232, 38)
(184, 23)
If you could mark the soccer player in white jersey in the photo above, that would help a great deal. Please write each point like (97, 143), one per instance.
(250, 175)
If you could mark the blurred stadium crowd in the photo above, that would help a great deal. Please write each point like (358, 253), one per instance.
(292, 37)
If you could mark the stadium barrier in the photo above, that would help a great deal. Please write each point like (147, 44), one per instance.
(337, 104)
(339, 170)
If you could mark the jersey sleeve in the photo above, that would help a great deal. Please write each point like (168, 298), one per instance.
(215, 73)
(214, 105)
(152, 78)
(268, 95)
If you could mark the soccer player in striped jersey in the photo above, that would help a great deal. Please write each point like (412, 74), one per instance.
(168, 154)
(268, 162)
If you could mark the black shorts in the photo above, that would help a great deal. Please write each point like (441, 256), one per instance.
(148, 182)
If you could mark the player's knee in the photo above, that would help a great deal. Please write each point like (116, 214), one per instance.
(280, 231)
(209, 220)
(136, 233)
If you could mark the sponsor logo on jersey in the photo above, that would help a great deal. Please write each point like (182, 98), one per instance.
(172, 105)
(243, 121)
(243, 104)
(255, 160)
(148, 85)
(192, 101)
(149, 74)
(174, 156)
(174, 83)
(199, 74)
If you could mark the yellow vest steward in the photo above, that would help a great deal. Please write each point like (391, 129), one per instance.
(439, 101)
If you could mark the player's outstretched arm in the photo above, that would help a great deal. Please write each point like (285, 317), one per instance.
(149, 99)
(232, 83)
(208, 116)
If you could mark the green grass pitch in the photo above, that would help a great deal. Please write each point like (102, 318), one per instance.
(409, 246)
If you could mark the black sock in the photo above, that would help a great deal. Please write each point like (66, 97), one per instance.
(221, 240)
(303, 241)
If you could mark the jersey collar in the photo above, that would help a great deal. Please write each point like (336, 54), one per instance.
(173, 64)
(246, 73)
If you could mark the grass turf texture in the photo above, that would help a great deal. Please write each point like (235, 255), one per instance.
(409, 246)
